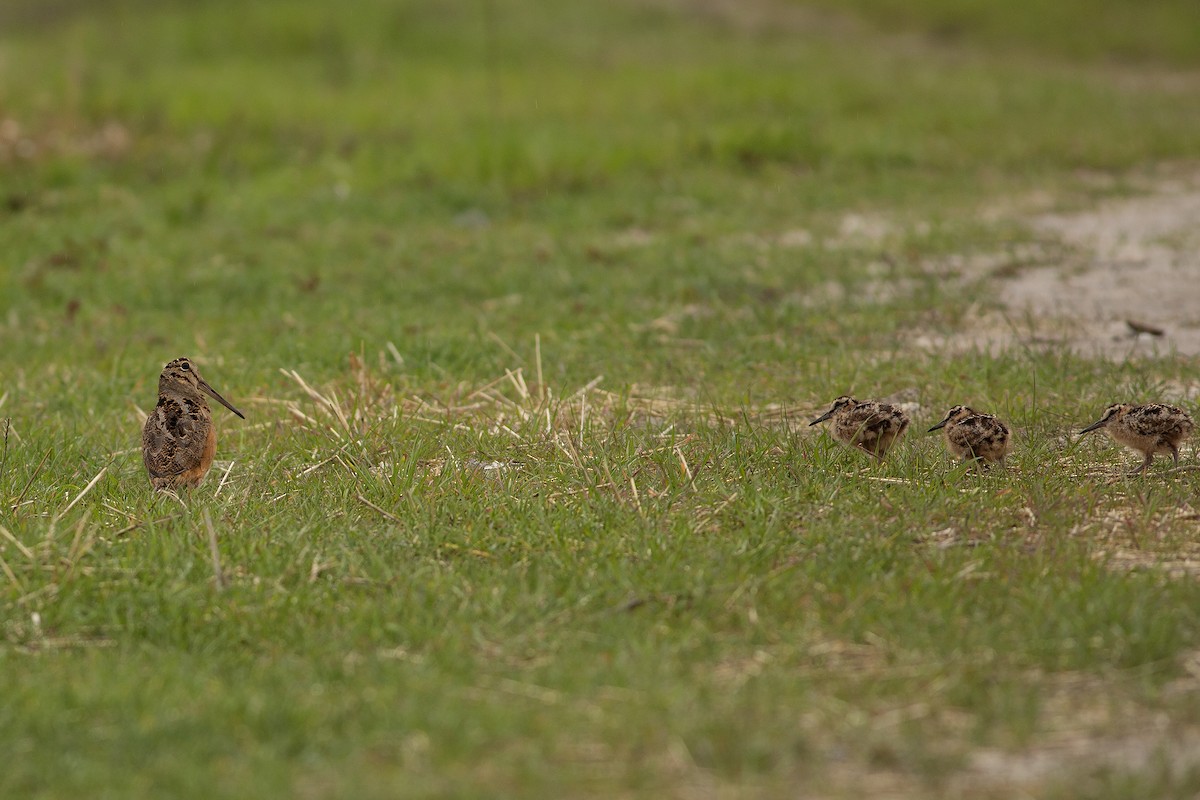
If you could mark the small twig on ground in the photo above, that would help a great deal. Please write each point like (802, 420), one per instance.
(1143, 327)
(218, 574)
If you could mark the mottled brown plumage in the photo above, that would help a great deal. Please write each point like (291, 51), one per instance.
(1148, 429)
(971, 436)
(179, 440)
(871, 426)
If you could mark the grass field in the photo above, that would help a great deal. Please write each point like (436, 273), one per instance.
(527, 305)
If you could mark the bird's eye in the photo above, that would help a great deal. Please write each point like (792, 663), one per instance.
(185, 366)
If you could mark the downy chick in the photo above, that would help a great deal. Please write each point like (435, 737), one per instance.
(869, 425)
(972, 436)
(1148, 429)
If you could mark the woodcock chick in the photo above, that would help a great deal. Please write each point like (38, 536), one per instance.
(1148, 429)
(971, 436)
(871, 426)
(179, 440)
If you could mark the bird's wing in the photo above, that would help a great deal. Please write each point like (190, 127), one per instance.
(978, 431)
(882, 418)
(174, 437)
(1156, 419)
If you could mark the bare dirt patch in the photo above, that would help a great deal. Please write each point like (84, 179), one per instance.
(1127, 282)
(1140, 262)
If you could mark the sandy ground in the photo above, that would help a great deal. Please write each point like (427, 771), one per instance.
(1140, 261)
(1127, 260)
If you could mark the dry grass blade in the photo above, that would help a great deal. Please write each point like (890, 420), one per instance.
(513, 353)
(224, 478)
(882, 479)
(37, 470)
(4, 457)
(317, 466)
(582, 419)
(321, 400)
(64, 642)
(518, 382)
(80, 546)
(25, 551)
(482, 391)
(12, 576)
(637, 501)
(537, 351)
(687, 471)
(395, 354)
(134, 526)
(83, 493)
(218, 573)
(374, 507)
(505, 405)
(587, 387)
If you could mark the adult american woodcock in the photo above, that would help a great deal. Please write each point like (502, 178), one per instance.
(179, 440)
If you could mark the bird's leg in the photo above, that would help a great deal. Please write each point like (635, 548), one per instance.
(1174, 454)
(1145, 464)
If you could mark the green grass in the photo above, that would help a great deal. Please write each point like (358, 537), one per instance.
(672, 586)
